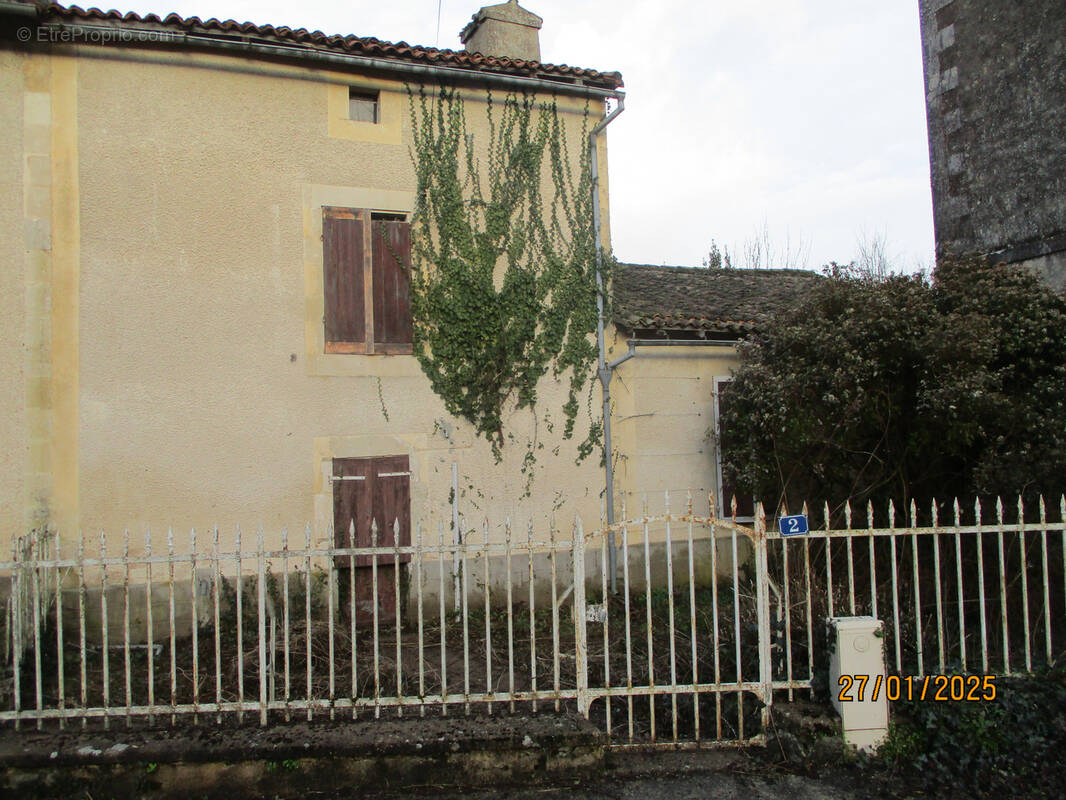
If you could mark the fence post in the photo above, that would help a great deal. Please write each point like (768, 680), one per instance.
(580, 623)
(17, 632)
(261, 613)
(762, 594)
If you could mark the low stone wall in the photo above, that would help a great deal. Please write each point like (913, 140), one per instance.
(294, 760)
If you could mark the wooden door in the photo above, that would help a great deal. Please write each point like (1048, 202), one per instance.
(369, 491)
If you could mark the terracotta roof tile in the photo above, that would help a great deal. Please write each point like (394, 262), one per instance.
(724, 301)
(361, 45)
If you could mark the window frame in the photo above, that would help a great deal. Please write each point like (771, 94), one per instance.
(368, 96)
(724, 510)
(369, 346)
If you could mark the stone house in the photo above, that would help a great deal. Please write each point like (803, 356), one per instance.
(205, 316)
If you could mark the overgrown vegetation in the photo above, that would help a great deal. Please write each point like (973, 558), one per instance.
(1011, 747)
(905, 387)
(504, 275)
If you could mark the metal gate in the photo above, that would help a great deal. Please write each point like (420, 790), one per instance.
(681, 652)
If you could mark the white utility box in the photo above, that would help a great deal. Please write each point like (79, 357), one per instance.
(857, 679)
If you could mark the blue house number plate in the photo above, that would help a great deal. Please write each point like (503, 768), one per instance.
(796, 525)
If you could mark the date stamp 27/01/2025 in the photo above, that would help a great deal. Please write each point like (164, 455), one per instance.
(936, 688)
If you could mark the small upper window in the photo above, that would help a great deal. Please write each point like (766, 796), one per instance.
(362, 105)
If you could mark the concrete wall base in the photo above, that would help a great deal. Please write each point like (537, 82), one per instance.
(298, 759)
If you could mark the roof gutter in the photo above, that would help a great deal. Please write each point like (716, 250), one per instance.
(19, 9)
(259, 47)
(635, 343)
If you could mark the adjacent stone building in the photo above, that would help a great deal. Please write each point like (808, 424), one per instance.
(996, 100)
(682, 325)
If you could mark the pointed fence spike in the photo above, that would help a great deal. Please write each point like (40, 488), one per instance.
(914, 514)
(891, 513)
(999, 509)
(869, 513)
(934, 513)
(847, 514)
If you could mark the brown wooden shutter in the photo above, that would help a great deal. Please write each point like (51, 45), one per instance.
(391, 248)
(344, 256)
(380, 491)
(352, 492)
(392, 503)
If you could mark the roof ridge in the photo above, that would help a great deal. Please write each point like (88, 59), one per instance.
(368, 45)
(724, 270)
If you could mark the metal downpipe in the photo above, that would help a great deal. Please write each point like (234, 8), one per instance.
(601, 362)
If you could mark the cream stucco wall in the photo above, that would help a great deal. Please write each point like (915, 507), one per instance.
(14, 449)
(663, 403)
(184, 380)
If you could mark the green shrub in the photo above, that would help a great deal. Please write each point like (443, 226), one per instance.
(1012, 746)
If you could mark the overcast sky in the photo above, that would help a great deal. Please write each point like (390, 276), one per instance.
(807, 116)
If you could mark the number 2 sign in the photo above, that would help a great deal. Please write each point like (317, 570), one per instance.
(796, 525)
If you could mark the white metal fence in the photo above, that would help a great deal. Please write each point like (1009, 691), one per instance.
(977, 588)
(712, 618)
(27, 604)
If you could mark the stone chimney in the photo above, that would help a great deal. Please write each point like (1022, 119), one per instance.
(506, 30)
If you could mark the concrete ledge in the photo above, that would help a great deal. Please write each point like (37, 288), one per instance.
(299, 758)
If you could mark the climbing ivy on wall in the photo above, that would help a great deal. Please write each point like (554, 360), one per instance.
(504, 260)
